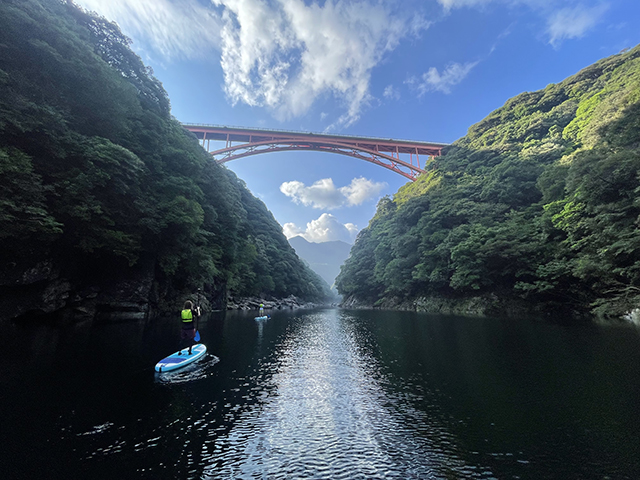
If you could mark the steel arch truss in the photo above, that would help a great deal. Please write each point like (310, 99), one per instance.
(385, 153)
(394, 164)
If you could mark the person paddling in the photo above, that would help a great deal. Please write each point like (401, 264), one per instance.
(188, 330)
(262, 310)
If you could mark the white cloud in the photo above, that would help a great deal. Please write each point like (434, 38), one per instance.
(566, 19)
(433, 80)
(173, 29)
(291, 230)
(279, 54)
(450, 4)
(574, 22)
(324, 194)
(284, 54)
(391, 93)
(324, 229)
(361, 189)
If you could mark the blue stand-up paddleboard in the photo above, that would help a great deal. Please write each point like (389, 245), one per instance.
(181, 358)
(265, 317)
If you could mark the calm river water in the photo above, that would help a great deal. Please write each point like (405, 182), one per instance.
(325, 394)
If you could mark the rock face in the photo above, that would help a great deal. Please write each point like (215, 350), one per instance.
(253, 303)
(42, 290)
(481, 305)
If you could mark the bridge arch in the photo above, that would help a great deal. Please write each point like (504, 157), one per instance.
(400, 156)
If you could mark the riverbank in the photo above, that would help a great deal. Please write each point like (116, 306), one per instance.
(253, 303)
(489, 305)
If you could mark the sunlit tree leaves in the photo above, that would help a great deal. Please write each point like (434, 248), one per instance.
(539, 202)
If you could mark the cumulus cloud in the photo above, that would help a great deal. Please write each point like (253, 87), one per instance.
(173, 29)
(574, 22)
(325, 195)
(433, 80)
(361, 189)
(322, 194)
(324, 229)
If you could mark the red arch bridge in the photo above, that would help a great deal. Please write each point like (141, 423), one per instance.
(408, 158)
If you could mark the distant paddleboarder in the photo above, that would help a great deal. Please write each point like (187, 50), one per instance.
(188, 330)
(262, 310)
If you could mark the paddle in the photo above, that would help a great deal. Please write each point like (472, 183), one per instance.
(197, 335)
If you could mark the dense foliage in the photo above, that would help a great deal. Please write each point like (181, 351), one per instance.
(95, 172)
(539, 203)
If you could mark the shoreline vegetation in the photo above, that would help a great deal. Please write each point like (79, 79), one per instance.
(109, 207)
(536, 209)
(489, 306)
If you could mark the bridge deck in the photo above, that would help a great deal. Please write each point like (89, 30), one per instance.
(256, 135)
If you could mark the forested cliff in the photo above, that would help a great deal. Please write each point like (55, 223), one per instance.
(106, 202)
(536, 209)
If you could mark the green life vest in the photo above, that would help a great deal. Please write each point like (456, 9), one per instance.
(187, 316)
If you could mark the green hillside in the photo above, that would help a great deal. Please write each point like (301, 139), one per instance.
(535, 209)
(101, 186)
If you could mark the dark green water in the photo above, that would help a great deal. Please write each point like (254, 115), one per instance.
(325, 394)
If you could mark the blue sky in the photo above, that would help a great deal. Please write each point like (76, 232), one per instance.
(404, 69)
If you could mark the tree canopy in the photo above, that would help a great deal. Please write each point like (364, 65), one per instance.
(96, 173)
(538, 203)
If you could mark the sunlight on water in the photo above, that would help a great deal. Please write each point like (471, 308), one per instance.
(325, 394)
(328, 416)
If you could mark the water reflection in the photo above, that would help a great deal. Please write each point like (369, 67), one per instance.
(323, 394)
(328, 415)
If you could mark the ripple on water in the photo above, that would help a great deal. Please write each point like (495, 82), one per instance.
(195, 371)
(331, 417)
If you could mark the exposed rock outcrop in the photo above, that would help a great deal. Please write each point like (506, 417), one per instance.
(490, 304)
(253, 303)
(41, 290)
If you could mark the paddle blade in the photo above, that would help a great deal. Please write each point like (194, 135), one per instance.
(197, 337)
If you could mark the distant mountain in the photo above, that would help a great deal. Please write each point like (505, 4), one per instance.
(324, 258)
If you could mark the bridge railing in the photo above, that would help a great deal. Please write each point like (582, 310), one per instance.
(300, 132)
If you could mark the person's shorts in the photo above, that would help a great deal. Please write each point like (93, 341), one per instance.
(187, 333)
